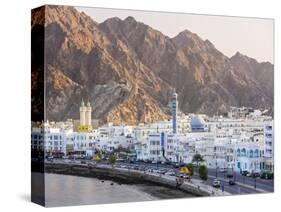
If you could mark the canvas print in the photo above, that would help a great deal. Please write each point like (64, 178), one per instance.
(137, 105)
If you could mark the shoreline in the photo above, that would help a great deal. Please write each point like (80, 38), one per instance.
(153, 191)
(127, 177)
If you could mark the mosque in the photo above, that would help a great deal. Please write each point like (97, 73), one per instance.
(85, 117)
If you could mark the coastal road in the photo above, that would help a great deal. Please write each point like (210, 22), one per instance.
(266, 185)
(244, 185)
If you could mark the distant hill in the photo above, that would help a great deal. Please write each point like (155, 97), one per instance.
(128, 70)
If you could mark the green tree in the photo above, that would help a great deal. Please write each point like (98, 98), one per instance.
(112, 159)
(203, 172)
(197, 158)
(190, 168)
(98, 157)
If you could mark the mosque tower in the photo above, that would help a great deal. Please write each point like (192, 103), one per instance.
(175, 111)
(82, 114)
(88, 115)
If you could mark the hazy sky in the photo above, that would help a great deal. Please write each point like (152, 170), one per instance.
(250, 36)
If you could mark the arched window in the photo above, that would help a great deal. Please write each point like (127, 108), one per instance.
(238, 153)
(251, 154)
(257, 153)
(243, 152)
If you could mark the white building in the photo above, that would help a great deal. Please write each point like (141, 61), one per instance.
(52, 137)
(249, 154)
(162, 147)
(242, 141)
(269, 145)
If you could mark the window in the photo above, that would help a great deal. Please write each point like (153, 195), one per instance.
(251, 154)
(243, 152)
(238, 153)
(268, 127)
(256, 154)
(268, 135)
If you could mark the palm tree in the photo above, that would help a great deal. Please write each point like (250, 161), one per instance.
(203, 172)
(197, 158)
(112, 159)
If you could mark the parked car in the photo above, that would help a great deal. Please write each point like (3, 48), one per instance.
(231, 182)
(223, 170)
(244, 172)
(162, 171)
(184, 176)
(229, 175)
(49, 160)
(249, 174)
(216, 183)
(170, 173)
(176, 165)
(253, 174)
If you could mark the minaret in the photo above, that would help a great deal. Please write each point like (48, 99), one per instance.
(174, 111)
(88, 115)
(82, 114)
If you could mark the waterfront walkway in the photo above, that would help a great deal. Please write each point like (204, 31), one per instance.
(194, 184)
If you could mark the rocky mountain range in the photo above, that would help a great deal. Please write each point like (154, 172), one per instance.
(128, 70)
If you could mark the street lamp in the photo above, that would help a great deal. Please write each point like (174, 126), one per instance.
(255, 185)
(158, 154)
(224, 164)
(233, 172)
(216, 166)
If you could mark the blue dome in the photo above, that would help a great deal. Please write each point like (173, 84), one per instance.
(197, 123)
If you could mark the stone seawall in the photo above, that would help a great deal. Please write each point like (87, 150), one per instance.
(124, 176)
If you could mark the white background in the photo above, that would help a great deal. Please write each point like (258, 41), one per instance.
(15, 103)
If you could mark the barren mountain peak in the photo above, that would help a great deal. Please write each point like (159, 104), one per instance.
(138, 67)
(209, 43)
(239, 56)
(186, 33)
(130, 19)
(113, 19)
